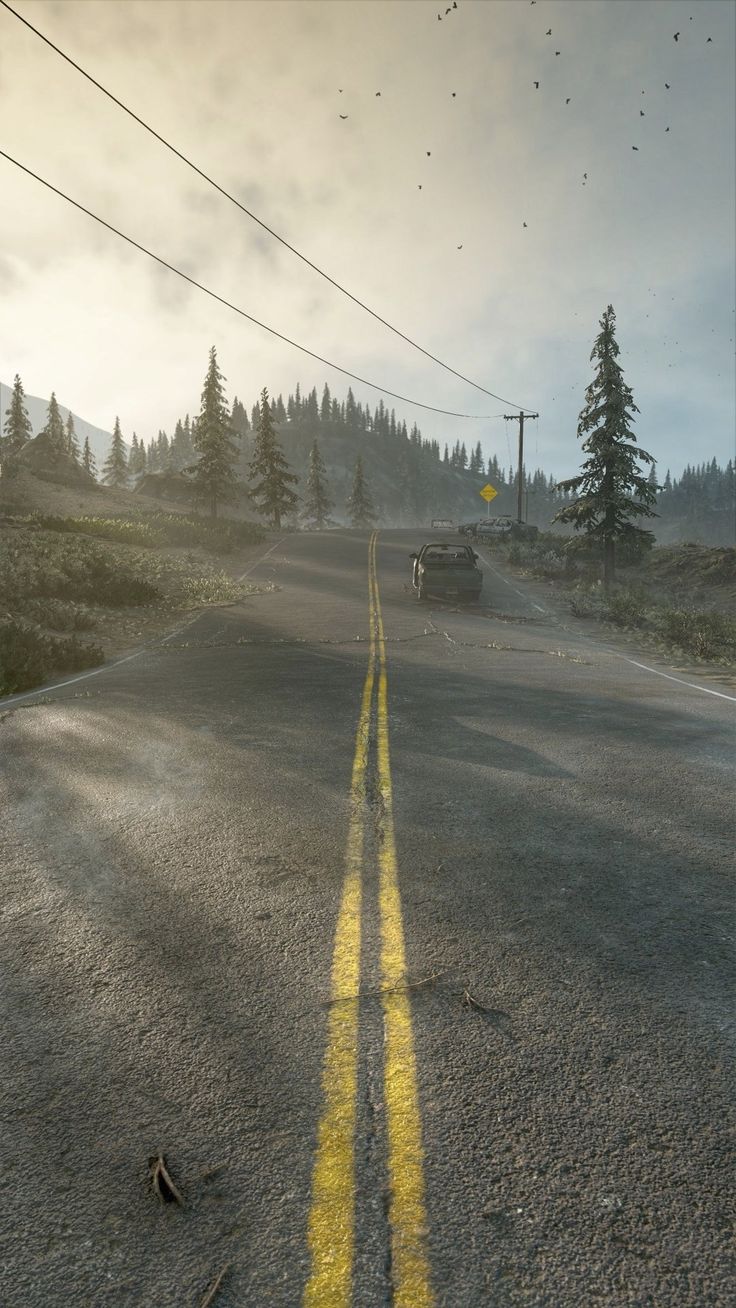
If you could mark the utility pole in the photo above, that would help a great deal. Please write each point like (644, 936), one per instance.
(519, 417)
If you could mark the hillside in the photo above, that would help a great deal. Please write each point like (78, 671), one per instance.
(37, 409)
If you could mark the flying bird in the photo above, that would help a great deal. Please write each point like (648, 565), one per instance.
(447, 11)
(666, 129)
(537, 85)
(635, 147)
(429, 154)
(557, 52)
(343, 116)
(642, 114)
(523, 224)
(549, 32)
(585, 175)
(676, 36)
(568, 99)
(420, 186)
(710, 38)
(378, 92)
(666, 86)
(454, 94)
(459, 247)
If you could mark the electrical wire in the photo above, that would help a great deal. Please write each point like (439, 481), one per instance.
(228, 305)
(250, 214)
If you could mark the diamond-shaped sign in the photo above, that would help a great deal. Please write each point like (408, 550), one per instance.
(489, 492)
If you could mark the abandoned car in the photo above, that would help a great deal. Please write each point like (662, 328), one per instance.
(442, 571)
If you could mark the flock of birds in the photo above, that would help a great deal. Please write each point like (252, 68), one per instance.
(642, 114)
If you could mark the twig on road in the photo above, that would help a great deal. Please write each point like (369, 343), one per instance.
(162, 1182)
(469, 1002)
(212, 1291)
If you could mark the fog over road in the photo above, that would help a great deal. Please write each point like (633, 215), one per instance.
(178, 837)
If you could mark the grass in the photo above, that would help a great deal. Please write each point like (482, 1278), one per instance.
(655, 596)
(701, 633)
(153, 530)
(56, 582)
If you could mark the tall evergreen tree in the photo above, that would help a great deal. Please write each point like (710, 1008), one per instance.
(115, 471)
(317, 503)
(272, 492)
(324, 409)
(611, 490)
(360, 504)
(214, 479)
(137, 459)
(53, 431)
(88, 459)
(17, 427)
(71, 442)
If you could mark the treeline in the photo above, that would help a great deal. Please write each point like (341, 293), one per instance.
(404, 478)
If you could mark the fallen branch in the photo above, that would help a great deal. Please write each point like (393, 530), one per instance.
(210, 1294)
(469, 1002)
(162, 1182)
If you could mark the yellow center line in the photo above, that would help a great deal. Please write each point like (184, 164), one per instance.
(407, 1214)
(331, 1229)
(331, 1226)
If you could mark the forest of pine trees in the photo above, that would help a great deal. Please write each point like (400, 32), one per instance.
(411, 479)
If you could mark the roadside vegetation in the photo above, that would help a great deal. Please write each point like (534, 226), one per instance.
(56, 582)
(682, 597)
(152, 530)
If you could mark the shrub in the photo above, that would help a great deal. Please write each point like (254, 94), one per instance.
(626, 607)
(28, 657)
(707, 635)
(59, 615)
(587, 602)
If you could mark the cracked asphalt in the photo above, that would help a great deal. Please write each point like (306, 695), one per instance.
(173, 856)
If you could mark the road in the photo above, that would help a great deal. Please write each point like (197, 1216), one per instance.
(405, 933)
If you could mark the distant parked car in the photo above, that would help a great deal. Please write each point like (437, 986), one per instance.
(493, 528)
(446, 571)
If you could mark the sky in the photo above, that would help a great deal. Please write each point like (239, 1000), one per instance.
(253, 91)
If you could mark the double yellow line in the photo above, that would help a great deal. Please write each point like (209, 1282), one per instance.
(331, 1230)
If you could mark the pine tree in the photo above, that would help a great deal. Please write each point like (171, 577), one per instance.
(214, 479)
(17, 428)
(317, 503)
(71, 442)
(137, 459)
(611, 490)
(115, 471)
(446, 457)
(272, 493)
(360, 504)
(53, 431)
(88, 459)
(324, 411)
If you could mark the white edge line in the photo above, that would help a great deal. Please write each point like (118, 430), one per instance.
(106, 667)
(705, 689)
(263, 556)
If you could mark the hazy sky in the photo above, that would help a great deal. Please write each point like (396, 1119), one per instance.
(251, 92)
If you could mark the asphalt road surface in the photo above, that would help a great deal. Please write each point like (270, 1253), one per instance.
(404, 933)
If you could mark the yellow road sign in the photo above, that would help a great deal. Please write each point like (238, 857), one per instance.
(489, 492)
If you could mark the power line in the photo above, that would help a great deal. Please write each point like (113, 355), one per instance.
(249, 213)
(228, 305)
